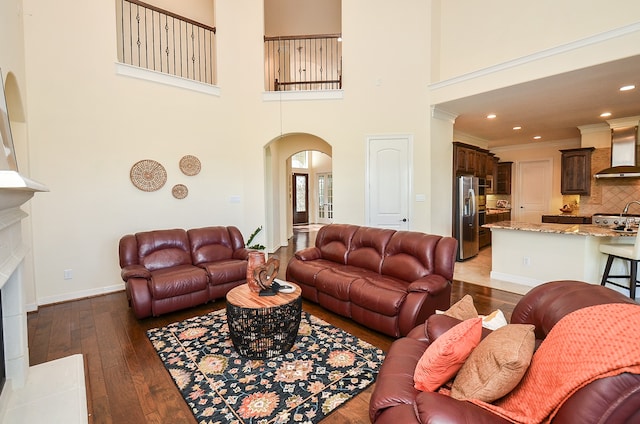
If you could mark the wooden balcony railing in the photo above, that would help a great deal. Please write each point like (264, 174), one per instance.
(305, 62)
(159, 40)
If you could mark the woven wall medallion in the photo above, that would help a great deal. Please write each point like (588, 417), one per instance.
(148, 175)
(180, 191)
(190, 165)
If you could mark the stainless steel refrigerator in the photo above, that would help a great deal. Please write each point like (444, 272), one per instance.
(466, 212)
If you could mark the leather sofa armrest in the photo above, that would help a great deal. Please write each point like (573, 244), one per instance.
(308, 254)
(438, 324)
(242, 254)
(435, 408)
(432, 283)
(134, 271)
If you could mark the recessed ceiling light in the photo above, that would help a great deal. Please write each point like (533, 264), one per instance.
(627, 87)
(516, 128)
(537, 137)
(491, 116)
(605, 114)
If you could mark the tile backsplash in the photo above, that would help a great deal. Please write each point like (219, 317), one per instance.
(609, 195)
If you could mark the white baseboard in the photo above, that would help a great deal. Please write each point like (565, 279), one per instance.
(74, 296)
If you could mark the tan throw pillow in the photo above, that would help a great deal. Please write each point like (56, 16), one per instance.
(497, 365)
(463, 309)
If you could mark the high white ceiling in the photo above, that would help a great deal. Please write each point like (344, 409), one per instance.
(552, 107)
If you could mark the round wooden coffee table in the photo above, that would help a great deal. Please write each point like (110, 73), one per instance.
(263, 326)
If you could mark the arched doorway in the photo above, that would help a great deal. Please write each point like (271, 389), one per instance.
(279, 187)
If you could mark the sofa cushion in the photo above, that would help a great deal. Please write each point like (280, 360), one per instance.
(177, 280)
(335, 284)
(384, 295)
(210, 244)
(497, 365)
(334, 241)
(410, 255)
(163, 249)
(367, 248)
(225, 271)
(445, 356)
(305, 272)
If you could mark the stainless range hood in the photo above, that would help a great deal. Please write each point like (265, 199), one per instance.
(623, 154)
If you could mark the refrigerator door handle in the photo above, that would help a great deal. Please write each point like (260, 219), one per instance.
(472, 194)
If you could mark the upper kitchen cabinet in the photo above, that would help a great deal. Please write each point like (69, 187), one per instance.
(470, 160)
(464, 159)
(503, 184)
(576, 171)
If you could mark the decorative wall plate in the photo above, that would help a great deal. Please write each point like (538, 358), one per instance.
(180, 191)
(148, 175)
(190, 165)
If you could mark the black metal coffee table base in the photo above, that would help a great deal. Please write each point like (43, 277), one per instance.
(261, 333)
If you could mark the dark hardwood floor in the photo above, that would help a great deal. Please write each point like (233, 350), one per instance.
(126, 381)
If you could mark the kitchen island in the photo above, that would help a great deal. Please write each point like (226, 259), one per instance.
(532, 254)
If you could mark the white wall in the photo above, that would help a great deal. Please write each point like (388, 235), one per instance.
(302, 17)
(198, 10)
(477, 35)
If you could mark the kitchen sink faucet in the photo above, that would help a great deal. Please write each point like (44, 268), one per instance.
(626, 208)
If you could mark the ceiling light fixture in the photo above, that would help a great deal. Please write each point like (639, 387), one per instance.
(491, 116)
(627, 87)
(605, 114)
(537, 137)
(517, 128)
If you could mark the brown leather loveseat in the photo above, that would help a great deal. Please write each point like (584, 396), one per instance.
(613, 399)
(169, 270)
(387, 280)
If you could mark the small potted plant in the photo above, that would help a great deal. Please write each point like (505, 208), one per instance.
(256, 246)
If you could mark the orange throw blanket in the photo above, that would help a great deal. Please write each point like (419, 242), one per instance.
(588, 344)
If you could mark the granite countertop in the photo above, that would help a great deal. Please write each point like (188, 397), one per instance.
(567, 214)
(570, 229)
(498, 210)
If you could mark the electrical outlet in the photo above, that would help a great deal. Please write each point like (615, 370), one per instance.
(68, 274)
(526, 261)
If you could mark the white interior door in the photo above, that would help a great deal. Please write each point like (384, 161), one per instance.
(533, 192)
(388, 181)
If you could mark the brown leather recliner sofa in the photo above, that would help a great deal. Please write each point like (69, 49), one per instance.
(606, 400)
(387, 280)
(169, 270)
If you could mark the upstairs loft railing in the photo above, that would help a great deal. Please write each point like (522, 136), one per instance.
(159, 40)
(304, 62)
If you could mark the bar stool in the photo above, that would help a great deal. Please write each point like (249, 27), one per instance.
(625, 252)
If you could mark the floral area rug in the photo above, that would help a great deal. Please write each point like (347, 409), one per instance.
(325, 368)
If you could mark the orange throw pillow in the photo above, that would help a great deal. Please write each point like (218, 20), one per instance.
(446, 355)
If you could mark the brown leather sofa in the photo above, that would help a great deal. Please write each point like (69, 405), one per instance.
(384, 279)
(169, 270)
(606, 400)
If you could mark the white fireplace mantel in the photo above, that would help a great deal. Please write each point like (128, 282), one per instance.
(30, 394)
(16, 189)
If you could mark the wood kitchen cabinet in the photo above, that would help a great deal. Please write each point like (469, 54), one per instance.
(566, 219)
(471, 160)
(491, 218)
(465, 159)
(576, 171)
(503, 183)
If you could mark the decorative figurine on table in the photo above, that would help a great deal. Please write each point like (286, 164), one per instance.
(265, 276)
(255, 260)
